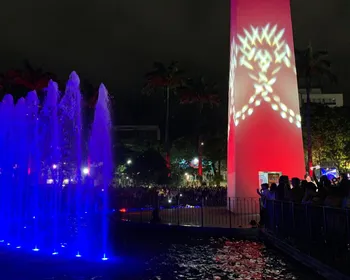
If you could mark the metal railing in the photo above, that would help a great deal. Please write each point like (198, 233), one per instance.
(200, 212)
(318, 231)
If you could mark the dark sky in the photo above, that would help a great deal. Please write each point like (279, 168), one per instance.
(116, 41)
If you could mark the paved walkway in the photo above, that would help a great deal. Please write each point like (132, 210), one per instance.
(197, 217)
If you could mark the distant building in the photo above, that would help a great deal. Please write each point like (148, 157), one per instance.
(317, 96)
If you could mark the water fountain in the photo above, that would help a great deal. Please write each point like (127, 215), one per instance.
(50, 199)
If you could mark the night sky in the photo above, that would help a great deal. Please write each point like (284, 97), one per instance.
(117, 41)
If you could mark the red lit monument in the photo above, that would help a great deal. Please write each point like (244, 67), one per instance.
(264, 127)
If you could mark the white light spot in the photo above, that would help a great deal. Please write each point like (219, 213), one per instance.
(274, 107)
(283, 107)
(283, 115)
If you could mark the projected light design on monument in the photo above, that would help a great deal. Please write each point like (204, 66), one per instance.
(264, 128)
(50, 200)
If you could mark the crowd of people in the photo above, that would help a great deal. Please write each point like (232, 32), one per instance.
(325, 191)
(168, 195)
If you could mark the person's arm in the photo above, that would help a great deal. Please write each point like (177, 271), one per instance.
(314, 177)
(258, 192)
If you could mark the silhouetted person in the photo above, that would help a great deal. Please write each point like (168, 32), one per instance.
(283, 189)
(310, 193)
(271, 195)
(297, 192)
(263, 193)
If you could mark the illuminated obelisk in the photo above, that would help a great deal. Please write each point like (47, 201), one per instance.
(264, 128)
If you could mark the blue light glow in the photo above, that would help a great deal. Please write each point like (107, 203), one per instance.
(48, 170)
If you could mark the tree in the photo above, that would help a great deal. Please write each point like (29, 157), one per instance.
(311, 65)
(184, 152)
(149, 168)
(20, 81)
(166, 79)
(216, 151)
(200, 93)
(330, 136)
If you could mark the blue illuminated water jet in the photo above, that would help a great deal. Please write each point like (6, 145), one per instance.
(52, 175)
(100, 152)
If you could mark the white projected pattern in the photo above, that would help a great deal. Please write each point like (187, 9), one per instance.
(233, 66)
(263, 52)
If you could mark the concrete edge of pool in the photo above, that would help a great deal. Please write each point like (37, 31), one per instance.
(315, 265)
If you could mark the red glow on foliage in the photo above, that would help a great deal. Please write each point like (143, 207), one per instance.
(167, 162)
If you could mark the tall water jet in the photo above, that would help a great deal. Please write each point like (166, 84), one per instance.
(72, 138)
(6, 164)
(44, 195)
(20, 168)
(34, 168)
(52, 154)
(100, 149)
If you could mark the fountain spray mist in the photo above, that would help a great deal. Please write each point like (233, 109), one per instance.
(46, 201)
(100, 148)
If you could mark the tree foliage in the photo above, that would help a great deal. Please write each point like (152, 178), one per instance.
(313, 65)
(149, 168)
(162, 76)
(330, 136)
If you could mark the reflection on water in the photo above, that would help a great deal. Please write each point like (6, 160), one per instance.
(223, 259)
(198, 259)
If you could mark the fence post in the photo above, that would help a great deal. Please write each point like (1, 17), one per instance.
(202, 212)
(273, 217)
(141, 210)
(307, 214)
(229, 209)
(178, 209)
(293, 218)
(324, 223)
(347, 232)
